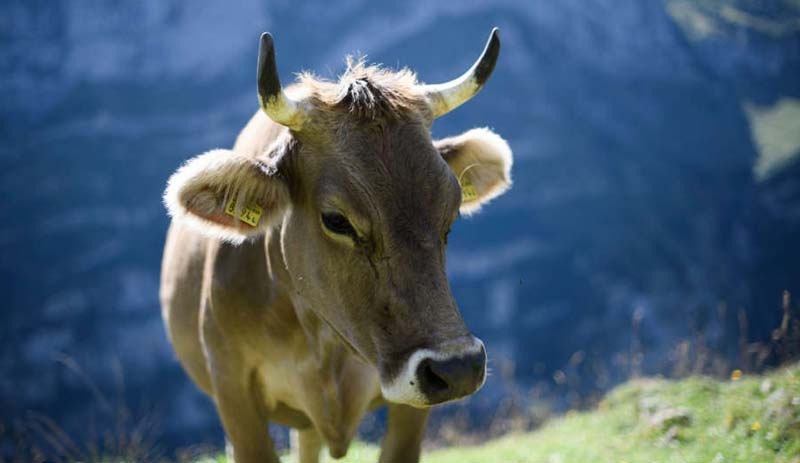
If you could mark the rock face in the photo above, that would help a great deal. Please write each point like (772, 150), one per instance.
(656, 177)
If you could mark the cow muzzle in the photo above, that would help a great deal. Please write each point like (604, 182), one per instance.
(449, 372)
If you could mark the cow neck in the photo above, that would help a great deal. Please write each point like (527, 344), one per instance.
(327, 346)
(338, 416)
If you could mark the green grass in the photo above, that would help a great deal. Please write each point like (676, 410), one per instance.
(753, 419)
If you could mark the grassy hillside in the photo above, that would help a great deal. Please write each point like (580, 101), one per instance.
(746, 419)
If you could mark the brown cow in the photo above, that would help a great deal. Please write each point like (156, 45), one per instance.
(303, 280)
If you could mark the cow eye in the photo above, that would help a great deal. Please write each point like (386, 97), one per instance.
(337, 223)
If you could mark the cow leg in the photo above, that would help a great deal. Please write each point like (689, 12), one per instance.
(238, 405)
(245, 428)
(308, 444)
(404, 431)
(229, 456)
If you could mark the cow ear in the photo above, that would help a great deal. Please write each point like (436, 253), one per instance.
(481, 160)
(226, 195)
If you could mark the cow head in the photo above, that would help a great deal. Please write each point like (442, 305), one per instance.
(363, 200)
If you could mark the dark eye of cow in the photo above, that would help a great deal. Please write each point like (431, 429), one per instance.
(337, 223)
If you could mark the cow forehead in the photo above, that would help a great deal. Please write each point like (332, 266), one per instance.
(370, 135)
(391, 167)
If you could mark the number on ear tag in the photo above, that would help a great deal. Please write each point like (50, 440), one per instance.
(249, 215)
(468, 192)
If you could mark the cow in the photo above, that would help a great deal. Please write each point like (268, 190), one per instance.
(303, 280)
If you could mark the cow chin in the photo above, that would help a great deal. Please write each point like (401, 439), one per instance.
(434, 376)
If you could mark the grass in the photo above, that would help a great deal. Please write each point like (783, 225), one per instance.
(745, 419)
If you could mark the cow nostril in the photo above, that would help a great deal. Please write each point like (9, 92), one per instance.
(430, 379)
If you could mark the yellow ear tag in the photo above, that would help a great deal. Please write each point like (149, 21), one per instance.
(468, 192)
(249, 215)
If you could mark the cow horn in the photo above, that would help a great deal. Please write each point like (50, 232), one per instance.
(446, 97)
(279, 106)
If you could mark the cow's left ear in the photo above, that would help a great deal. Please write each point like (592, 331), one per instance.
(481, 160)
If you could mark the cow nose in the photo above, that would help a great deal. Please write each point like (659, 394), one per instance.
(451, 378)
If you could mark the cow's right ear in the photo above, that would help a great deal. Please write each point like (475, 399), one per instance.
(226, 195)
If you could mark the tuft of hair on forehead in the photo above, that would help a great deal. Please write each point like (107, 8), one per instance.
(369, 92)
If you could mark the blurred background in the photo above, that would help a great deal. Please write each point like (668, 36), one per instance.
(653, 227)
